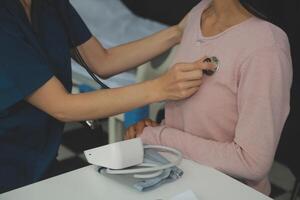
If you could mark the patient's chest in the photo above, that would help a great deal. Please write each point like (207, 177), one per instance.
(212, 112)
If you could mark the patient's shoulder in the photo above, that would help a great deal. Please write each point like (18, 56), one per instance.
(261, 33)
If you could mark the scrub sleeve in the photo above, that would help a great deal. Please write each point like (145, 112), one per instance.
(78, 30)
(27, 149)
(23, 70)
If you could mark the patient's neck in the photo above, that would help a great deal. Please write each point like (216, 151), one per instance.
(222, 14)
(228, 10)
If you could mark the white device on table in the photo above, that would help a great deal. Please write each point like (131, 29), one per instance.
(118, 158)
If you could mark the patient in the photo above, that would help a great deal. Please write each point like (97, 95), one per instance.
(234, 122)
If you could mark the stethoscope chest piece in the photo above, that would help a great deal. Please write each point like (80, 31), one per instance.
(216, 62)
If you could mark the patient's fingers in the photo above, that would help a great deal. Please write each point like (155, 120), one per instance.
(150, 122)
(139, 127)
(131, 133)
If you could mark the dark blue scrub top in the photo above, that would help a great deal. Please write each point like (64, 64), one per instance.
(29, 138)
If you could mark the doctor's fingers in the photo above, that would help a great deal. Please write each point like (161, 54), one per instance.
(203, 65)
(192, 75)
(191, 84)
(191, 91)
(197, 65)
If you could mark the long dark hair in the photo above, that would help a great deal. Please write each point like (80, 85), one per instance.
(284, 14)
(268, 10)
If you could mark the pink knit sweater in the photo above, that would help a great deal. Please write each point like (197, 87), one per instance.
(234, 122)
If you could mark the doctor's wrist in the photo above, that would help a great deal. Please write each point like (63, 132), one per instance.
(156, 94)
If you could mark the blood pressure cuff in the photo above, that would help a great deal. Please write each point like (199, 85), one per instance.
(142, 185)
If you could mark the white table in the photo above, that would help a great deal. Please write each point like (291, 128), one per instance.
(86, 183)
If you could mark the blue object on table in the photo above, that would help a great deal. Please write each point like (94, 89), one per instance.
(136, 115)
(169, 175)
(142, 185)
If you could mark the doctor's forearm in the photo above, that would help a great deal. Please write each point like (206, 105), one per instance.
(135, 53)
(104, 103)
(53, 99)
(112, 61)
(180, 82)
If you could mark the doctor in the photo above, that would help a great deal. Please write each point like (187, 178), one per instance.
(35, 98)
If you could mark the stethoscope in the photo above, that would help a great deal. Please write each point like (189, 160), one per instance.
(216, 62)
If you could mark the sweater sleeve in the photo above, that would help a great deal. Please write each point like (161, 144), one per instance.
(263, 106)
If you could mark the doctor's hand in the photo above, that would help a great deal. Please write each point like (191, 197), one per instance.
(182, 80)
(137, 129)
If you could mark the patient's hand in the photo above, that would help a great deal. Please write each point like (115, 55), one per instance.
(137, 129)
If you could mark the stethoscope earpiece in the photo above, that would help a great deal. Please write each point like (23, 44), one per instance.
(214, 60)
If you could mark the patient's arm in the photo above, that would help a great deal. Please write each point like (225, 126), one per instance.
(263, 105)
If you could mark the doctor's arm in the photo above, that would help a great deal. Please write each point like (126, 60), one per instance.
(180, 82)
(263, 106)
(108, 62)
